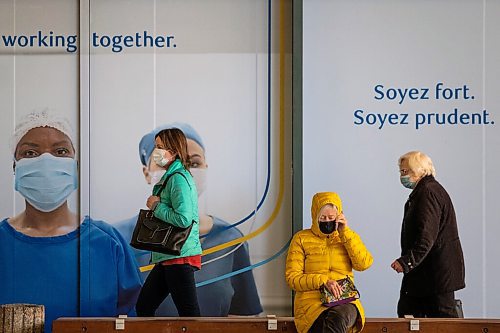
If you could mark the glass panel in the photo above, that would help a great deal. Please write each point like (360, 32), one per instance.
(211, 71)
(39, 86)
(394, 77)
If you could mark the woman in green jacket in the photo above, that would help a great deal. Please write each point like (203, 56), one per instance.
(175, 202)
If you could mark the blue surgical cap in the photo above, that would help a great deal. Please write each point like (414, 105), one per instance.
(147, 143)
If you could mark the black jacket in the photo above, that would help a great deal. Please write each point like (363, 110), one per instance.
(431, 253)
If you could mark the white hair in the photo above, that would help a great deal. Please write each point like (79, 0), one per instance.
(419, 163)
(328, 205)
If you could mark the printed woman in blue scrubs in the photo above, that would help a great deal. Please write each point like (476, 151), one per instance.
(48, 255)
(236, 295)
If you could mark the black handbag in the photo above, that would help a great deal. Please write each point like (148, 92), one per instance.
(153, 234)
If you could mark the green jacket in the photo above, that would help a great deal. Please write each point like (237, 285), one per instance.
(178, 206)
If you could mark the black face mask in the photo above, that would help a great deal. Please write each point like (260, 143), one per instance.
(327, 227)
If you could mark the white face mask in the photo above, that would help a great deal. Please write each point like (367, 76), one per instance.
(159, 158)
(155, 176)
(200, 179)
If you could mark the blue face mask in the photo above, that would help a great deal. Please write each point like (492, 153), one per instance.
(406, 182)
(46, 181)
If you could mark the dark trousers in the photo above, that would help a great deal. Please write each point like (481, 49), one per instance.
(177, 280)
(337, 319)
(435, 306)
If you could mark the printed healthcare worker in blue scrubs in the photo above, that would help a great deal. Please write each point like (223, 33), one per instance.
(236, 295)
(47, 255)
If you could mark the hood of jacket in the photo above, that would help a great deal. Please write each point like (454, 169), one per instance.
(318, 201)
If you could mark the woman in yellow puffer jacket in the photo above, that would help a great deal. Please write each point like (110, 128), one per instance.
(320, 256)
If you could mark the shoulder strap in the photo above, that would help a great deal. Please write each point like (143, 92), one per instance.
(166, 180)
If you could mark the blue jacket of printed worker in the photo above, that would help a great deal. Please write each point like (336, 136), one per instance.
(314, 258)
(178, 206)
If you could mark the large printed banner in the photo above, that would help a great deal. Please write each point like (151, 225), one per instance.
(387, 77)
(106, 85)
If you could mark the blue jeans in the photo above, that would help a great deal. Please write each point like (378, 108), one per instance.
(177, 280)
(337, 319)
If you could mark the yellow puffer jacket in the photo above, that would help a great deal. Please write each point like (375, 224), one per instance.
(314, 258)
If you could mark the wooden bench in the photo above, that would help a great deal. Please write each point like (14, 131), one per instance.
(261, 324)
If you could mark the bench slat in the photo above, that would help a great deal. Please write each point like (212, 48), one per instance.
(259, 324)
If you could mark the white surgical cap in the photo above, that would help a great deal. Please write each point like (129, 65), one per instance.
(40, 118)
